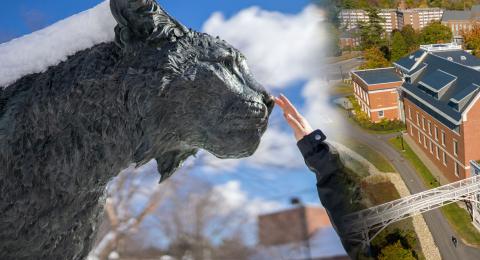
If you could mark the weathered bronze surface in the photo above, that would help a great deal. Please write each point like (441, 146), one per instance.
(160, 91)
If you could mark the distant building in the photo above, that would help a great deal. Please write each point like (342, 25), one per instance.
(394, 18)
(418, 17)
(459, 21)
(440, 105)
(298, 233)
(376, 91)
(349, 18)
(349, 39)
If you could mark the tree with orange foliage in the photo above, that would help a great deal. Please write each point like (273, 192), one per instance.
(472, 39)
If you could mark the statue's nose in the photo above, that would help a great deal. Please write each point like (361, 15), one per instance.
(269, 101)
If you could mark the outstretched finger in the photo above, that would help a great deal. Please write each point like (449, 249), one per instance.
(294, 124)
(290, 107)
(280, 103)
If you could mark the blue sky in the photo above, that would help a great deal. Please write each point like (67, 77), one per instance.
(22, 16)
(272, 183)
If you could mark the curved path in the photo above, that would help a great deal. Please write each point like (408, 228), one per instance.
(438, 225)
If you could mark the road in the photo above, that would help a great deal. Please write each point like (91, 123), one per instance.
(438, 225)
(334, 71)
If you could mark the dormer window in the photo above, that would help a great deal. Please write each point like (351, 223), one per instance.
(450, 58)
(463, 58)
(437, 83)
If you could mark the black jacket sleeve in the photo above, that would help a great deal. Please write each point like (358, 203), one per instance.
(332, 182)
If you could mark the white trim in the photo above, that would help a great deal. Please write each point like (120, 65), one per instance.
(385, 108)
(384, 90)
(432, 107)
(419, 130)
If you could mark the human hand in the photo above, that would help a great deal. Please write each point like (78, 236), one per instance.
(295, 120)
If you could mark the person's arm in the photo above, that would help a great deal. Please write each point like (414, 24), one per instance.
(324, 161)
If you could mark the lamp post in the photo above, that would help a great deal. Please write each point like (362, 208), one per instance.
(400, 135)
(303, 216)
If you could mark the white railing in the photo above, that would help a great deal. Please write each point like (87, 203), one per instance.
(364, 225)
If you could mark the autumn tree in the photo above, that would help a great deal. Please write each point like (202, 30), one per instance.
(374, 58)
(472, 39)
(397, 252)
(435, 32)
(410, 36)
(399, 46)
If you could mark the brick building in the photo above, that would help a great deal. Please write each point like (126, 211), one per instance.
(461, 20)
(440, 105)
(393, 18)
(376, 91)
(284, 234)
(349, 39)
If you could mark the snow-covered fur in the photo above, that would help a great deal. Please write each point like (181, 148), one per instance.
(160, 91)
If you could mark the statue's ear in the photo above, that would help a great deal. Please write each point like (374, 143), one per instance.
(143, 21)
(170, 161)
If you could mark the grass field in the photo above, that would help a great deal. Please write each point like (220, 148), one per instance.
(458, 217)
(377, 159)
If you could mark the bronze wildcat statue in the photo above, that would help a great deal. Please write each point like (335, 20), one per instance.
(160, 91)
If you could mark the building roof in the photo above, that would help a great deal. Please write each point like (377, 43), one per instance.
(407, 63)
(456, 15)
(476, 8)
(378, 76)
(439, 74)
(460, 56)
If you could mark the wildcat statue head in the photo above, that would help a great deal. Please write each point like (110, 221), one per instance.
(202, 83)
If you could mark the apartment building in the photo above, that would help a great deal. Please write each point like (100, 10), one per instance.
(393, 18)
(349, 18)
(440, 104)
(376, 91)
(461, 20)
(418, 17)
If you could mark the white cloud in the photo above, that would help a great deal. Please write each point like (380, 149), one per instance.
(37, 51)
(280, 48)
(233, 198)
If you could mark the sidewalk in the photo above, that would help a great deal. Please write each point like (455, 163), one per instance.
(437, 173)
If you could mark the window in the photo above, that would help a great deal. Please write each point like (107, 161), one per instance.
(423, 122)
(411, 130)
(457, 169)
(436, 133)
(418, 120)
(430, 146)
(443, 138)
(409, 113)
(455, 147)
(425, 141)
(444, 155)
(429, 128)
(419, 137)
(380, 113)
(436, 149)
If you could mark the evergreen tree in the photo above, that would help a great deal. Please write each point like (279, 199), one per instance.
(372, 32)
(399, 46)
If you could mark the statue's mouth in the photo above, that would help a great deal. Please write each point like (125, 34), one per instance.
(248, 115)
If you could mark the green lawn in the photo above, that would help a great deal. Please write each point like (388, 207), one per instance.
(342, 89)
(427, 177)
(458, 217)
(377, 159)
